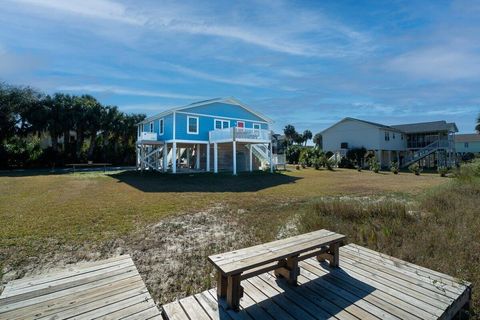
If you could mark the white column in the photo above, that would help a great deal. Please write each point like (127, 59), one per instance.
(208, 157)
(234, 153)
(398, 157)
(215, 157)
(271, 157)
(188, 157)
(380, 157)
(165, 157)
(250, 147)
(138, 156)
(197, 157)
(174, 157)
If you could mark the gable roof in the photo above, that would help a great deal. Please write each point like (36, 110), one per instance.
(427, 127)
(229, 100)
(467, 137)
(373, 124)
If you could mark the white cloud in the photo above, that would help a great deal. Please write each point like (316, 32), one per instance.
(127, 91)
(100, 9)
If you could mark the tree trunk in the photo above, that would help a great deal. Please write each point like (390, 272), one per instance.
(91, 148)
(79, 144)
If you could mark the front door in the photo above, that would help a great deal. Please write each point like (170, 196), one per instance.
(240, 124)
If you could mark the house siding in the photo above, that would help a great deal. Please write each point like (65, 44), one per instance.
(473, 147)
(356, 134)
(225, 110)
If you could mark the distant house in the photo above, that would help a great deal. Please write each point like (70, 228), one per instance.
(465, 143)
(429, 143)
(214, 135)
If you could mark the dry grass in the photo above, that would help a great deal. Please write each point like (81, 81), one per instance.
(169, 224)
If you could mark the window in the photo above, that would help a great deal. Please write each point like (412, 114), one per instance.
(151, 126)
(402, 136)
(465, 144)
(160, 126)
(256, 126)
(393, 135)
(222, 124)
(192, 125)
(387, 136)
(240, 124)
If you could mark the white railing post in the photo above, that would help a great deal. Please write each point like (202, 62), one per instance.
(271, 157)
(174, 157)
(165, 157)
(250, 147)
(208, 157)
(215, 157)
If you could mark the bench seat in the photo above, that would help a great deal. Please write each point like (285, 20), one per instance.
(282, 256)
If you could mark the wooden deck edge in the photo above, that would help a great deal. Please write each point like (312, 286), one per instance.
(461, 303)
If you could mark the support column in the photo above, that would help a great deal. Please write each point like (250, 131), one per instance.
(165, 157)
(197, 157)
(379, 153)
(398, 157)
(188, 157)
(174, 157)
(208, 157)
(234, 153)
(271, 157)
(250, 148)
(215, 157)
(137, 164)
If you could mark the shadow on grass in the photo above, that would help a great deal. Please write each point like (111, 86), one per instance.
(202, 182)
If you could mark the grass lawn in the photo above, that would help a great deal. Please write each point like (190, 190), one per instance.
(169, 224)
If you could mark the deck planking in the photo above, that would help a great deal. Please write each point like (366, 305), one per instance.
(106, 289)
(368, 285)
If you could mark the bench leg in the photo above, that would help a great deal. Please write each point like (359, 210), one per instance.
(234, 292)
(289, 270)
(221, 285)
(332, 255)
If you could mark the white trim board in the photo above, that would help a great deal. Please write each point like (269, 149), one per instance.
(188, 141)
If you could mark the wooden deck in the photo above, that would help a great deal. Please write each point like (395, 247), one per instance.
(368, 285)
(107, 289)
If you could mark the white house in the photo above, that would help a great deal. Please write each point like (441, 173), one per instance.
(429, 143)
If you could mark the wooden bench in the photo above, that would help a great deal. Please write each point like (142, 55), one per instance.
(282, 256)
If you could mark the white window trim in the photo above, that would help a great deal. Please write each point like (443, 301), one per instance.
(161, 128)
(152, 127)
(241, 122)
(188, 125)
(258, 125)
(222, 121)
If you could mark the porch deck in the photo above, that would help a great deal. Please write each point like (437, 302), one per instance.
(368, 285)
(107, 289)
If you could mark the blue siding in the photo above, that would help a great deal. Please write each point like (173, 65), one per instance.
(168, 128)
(225, 110)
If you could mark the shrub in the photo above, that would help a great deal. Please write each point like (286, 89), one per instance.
(346, 163)
(357, 155)
(415, 168)
(374, 165)
(394, 167)
(442, 171)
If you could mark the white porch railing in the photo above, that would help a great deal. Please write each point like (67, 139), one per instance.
(149, 136)
(240, 134)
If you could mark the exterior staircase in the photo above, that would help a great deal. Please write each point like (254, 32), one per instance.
(262, 152)
(428, 150)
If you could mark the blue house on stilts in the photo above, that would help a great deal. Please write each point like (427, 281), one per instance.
(213, 135)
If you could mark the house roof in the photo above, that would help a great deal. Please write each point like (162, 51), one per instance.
(427, 127)
(467, 137)
(374, 124)
(229, 100)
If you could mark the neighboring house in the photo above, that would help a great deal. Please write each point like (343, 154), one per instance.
(213, 135)
(429, 143)
(465, 143)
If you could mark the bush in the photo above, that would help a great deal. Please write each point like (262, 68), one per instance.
(415, 168)
(443, 171)
(394, 167)
(357, 155)
(346, 163)
(374, 165)
(292, 154)
(467, 157)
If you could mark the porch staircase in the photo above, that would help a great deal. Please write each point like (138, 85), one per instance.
(153, 160)
(422, 153)
(262, 152)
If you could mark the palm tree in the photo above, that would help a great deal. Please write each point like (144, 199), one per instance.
(317, 139)
(93, 122)
(290, 133)
(307, 135)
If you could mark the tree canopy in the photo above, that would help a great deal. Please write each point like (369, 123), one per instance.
(29, 118)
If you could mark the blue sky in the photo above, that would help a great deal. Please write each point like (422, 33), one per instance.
(307, 63)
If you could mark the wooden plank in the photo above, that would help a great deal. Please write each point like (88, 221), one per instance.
(174, 311)
(306, 298)
(282, 301)
(370, 291)
(150, 313)
(240, 315)
(440, 286)
(212, 308)
(46, 291)
(389, 285)
(59, 282)
(193, 308)
(275, 255)
(320, 286)
(423, 287)
(228, 257)
(71, 271)
(74, 299)
(429, 273)
(129, 309)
